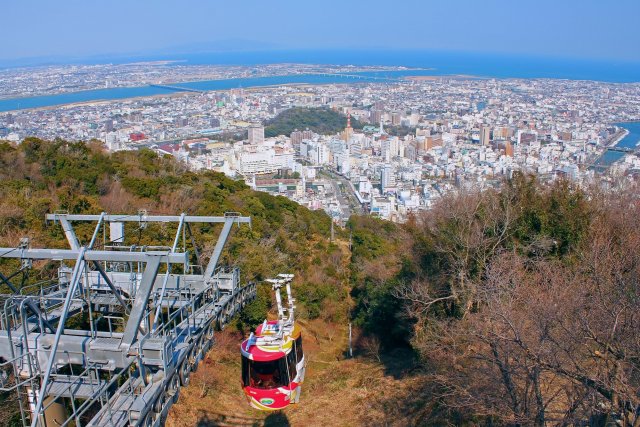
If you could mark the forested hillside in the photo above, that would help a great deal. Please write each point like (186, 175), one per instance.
(47, 176)
(319, 120)
(511, 307)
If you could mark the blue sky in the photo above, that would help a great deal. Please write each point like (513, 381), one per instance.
(596, 29)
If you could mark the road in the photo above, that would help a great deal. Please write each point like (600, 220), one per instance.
(344, 193)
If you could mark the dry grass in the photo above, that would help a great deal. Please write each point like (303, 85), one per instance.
(337, 391)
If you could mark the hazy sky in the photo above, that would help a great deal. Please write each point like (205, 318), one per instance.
(606, 29)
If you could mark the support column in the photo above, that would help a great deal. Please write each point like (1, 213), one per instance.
(142, 298)
(55, 413)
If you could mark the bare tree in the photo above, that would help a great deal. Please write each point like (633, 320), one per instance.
(512, 334)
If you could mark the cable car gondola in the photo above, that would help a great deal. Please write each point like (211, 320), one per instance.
(273, 363)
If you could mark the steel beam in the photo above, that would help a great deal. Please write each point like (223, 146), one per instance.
(142, 298)
(177, 239)
(195, 247)
(77, 275)
(150, 218)
(109, 256)
(73, 348)
(217, 251)
(69, 233)
(97, 230)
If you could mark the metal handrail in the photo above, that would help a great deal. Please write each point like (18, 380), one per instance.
(26, 290)
(102, 391)
(12, 362)
(91, 367)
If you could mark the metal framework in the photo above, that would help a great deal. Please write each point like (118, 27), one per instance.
(112, 339)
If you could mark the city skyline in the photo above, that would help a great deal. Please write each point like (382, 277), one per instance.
(74, 29)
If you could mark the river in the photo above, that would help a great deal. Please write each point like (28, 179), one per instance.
(206, 85)
(629, 141)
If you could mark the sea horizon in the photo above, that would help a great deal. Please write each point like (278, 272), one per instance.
(491, 65)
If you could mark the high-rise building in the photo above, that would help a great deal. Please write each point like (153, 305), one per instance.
(355, 146)
(322, 154)
(348, 131)
(296, 138)
(385, 177)
(391, 146)
(485, 135)
(256, 135)
(375, 116)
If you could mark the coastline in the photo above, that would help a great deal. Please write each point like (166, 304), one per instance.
(167, 95)
(100, 102)
(361, 70)
(227, 84)
(617, 138)
(444, 76)
(362, 73)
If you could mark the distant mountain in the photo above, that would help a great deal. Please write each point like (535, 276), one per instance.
(226, 45)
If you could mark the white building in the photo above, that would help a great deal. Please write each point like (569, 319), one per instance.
(383, 207)
(284, 159)
(387, 179)
(257, 162)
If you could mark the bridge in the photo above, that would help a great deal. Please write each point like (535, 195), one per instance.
(358, 76)
(601, 168)
(621, 149)
(111, 338)
(178, 88)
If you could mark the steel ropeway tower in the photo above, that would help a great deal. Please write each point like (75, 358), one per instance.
(111, 339)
